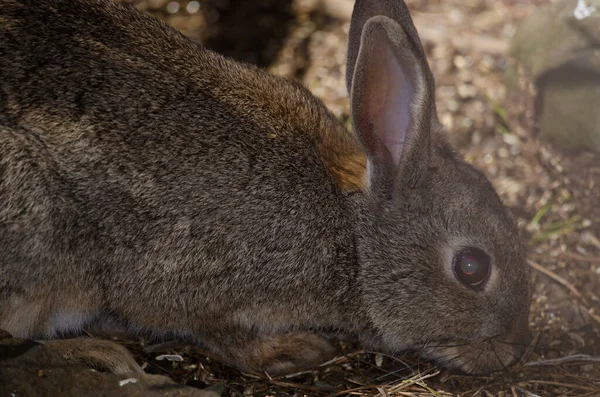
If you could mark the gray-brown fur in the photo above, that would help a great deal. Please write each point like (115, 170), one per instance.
(96, 353)
(148, 180)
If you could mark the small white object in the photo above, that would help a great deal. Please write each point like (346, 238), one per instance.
(582, 10)
(126, 381)
(170, 357)
(192, 7)
(173, 7)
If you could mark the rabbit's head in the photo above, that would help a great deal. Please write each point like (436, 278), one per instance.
(443, 269)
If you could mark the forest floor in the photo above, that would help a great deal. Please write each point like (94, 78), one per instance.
(553, 194)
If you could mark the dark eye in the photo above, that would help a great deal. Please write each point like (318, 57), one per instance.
(472, 267)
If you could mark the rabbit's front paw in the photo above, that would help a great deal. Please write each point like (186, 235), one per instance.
(96, 353)
(290, 352)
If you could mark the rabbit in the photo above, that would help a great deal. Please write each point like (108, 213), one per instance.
(151, 182)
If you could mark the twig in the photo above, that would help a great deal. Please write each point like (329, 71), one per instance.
(341, 359)
(593, 393)
(583, 358)
(564, 282)
(568, 255)
(414, 380)
(583, 258)
(527, 393)
(349, 391)
(559, 384)
(555, 277)
(323, 390)
(392, 357)
(355, 382)
(382, 392)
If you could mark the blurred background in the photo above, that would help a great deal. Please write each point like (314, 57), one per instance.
(518, 86)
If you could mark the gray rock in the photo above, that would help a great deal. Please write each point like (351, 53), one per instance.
(561, 55)
(570, 109)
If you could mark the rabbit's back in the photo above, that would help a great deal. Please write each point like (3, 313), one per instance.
(163, 168)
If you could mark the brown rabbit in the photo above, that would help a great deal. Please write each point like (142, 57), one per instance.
(147, 180)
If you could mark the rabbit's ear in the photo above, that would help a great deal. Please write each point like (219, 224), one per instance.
(391, 92)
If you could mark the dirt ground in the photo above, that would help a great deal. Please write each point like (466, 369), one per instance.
(553, 194)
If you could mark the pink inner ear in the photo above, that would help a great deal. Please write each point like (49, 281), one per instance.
(387, 98)
(395, 113)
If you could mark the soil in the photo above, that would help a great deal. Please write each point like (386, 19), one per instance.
(554, 194)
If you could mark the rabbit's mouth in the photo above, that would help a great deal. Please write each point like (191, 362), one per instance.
(476, 358)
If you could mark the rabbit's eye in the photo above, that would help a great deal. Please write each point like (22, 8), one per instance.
(472, 267)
